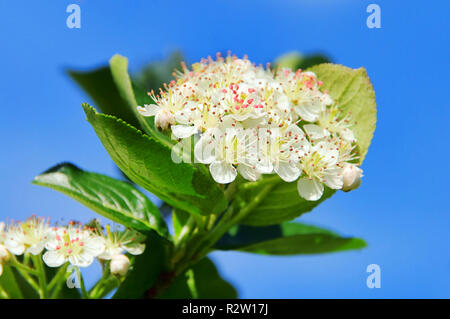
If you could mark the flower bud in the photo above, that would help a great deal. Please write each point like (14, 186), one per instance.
(119, 265)
(163, 119)
(352, 177)
(4, 254)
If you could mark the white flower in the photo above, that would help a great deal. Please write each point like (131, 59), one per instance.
(4, 257)
(116, 243)
(332, 121)
(218, 148)
(4, 253)
(351, 177)
(302, 88)
(194, 118)
(280, 151)
(119, 265)
(163, 118)
(225, 149)
(74, 244)
(29, 236)
(320, 166)
(220, 100)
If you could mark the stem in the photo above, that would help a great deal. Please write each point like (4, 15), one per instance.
(29, 280)
(187, 229)
(191, 283)
(84, 293)
(60, 284)
(94, 291)
(196, 238)
(106, 286)
(229, 220)
(18, 265)
(57, 279)
(37, 261)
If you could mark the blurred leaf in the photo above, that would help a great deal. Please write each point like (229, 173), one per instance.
(148, 162)
(282, 204)
(209, 284)
(100, 86)
(145, 270)
(117, 200)
(287, 239)
(179, 219)
(9, 283)
(352, 91)
(153, 75)
(295, 60)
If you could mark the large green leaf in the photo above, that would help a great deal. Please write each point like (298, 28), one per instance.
(148, 162)
(286, 239)
(207, 280)
(111, 198)
(9, 283)
(281, 204)
(352, 91)
(145, 270)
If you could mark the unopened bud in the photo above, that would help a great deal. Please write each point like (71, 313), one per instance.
(352, 177)
(4, 254)
(163, 119)
(119, 265)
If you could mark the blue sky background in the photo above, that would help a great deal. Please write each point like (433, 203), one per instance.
(402, 207)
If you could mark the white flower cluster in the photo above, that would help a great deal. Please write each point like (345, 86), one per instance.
(251, 120)
(79, 245)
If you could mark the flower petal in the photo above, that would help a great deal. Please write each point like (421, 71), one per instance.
(148, 109)
(135, 249)
(310, 189)
(53, 259)
(248, 172)
(307, 113)
(14, 247)
(183, 131)
(334, 178)
(288, 172)
(315, 132)
(223, 173)
(204, 149)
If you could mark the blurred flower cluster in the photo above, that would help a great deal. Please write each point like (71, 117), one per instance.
(74, 243)
(252, 120)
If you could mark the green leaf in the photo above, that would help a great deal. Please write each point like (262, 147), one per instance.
(282, 204)
(207, 280)
(9, 283)
(179, 219)
(145, 270)
(286, 239)
(117, 200)
(148, 162)
(296, 60)
(352, 91)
